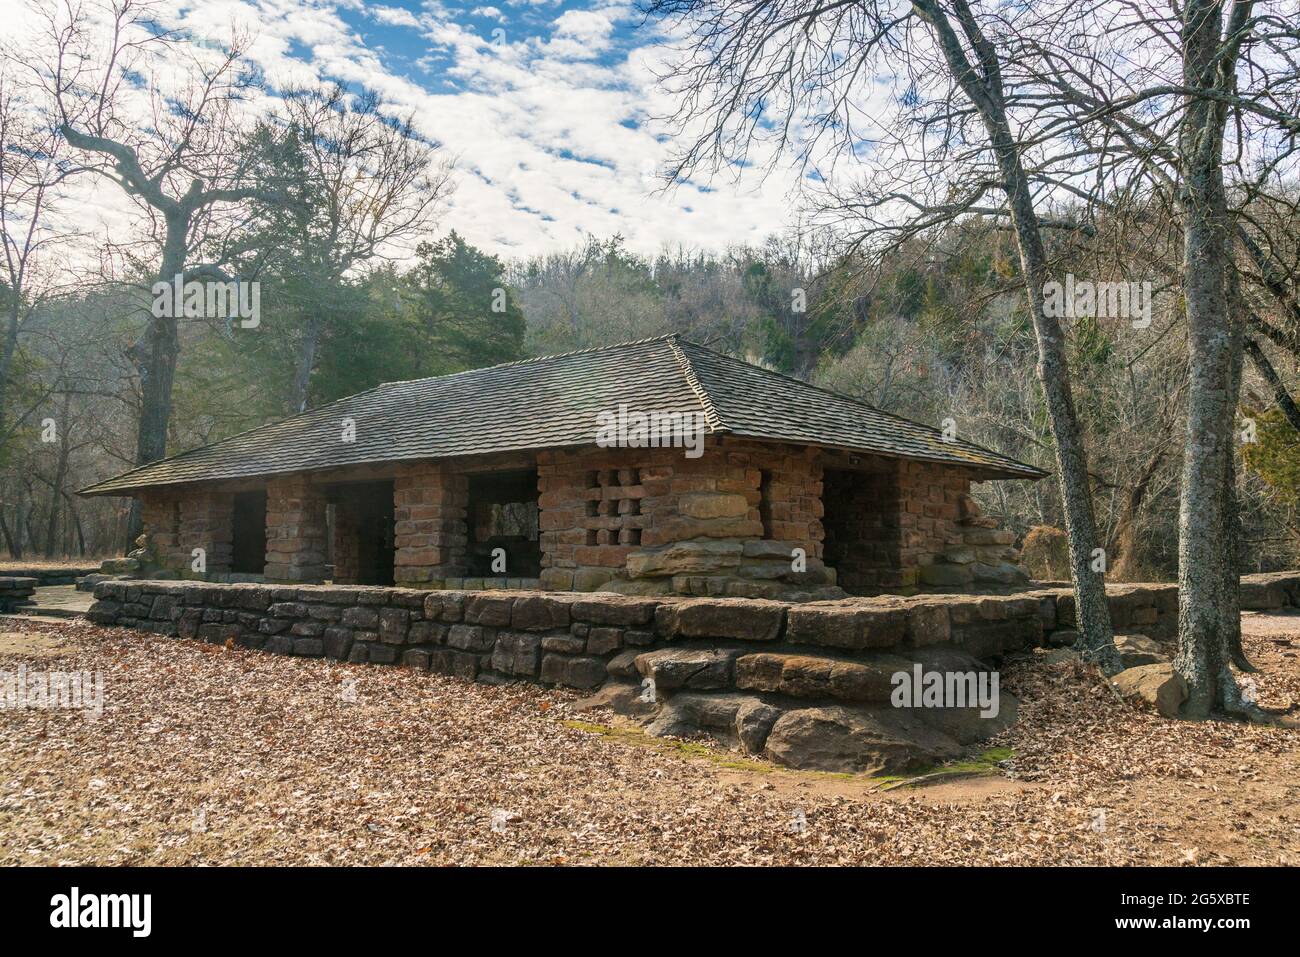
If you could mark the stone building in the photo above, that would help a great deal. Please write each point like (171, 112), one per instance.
(650, 467)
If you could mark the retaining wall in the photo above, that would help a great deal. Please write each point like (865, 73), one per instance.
(576, 640)
(16, 592)
(50, 575)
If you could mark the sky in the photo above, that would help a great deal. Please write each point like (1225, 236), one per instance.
(549, 108)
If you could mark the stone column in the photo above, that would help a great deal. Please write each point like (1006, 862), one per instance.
(430, 505)
(160, 516)
(207, 523)
(295, 530)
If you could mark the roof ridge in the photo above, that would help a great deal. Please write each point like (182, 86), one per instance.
(711, 415)
(857, 401)
(532, 359)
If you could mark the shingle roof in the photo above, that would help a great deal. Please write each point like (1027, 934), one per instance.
(552, 402)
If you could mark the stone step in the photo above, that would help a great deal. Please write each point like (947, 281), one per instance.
(838, 737)
(866, 678)
(699, 669)
(813, 676)
(43, 611)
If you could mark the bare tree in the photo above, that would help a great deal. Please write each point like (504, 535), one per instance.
(795, 75)
(170, 149)
(31, 175)
(1206, 134)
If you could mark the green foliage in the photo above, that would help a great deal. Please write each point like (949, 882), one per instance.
(1275, 456)
(460, 311)
(436, 318)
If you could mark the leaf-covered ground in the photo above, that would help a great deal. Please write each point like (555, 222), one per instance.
(205, 755)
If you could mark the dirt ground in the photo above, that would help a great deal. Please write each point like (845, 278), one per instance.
(8, 565)
(204, 755)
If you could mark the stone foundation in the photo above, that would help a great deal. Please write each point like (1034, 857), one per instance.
(776, 678)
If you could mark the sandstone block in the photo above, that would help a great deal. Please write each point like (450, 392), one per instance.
(695, 668)
(846, 626)
(754, 620)
(1157, 686)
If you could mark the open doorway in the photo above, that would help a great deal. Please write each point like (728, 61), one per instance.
(863, 534)
(503, 514)
(248, 533)
(362, 541)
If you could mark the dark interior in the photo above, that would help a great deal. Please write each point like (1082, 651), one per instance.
(363, 537)
(248, 530)
(862, 530)
(503, 514)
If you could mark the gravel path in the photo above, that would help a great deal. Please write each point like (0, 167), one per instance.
(205, 755)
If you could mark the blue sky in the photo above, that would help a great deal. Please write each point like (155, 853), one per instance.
(547, 107)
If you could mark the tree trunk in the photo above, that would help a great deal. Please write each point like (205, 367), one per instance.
(1280, 394)
(161, 347)
(984, 88)
(33, 542)
(1126, 564)
(306, 363)
(1205, 592)
(14, 544)
(56, 485)
(8, 348)
(157, 365)
(1230, 602)
(76, 525)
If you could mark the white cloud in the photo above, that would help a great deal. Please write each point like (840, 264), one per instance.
(585, 25)
(542, 127)
(394, 16)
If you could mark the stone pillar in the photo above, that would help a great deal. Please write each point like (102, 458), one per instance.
(207, 519)
(295, 530)
(183, 519)
(430, 505)
(160, 514)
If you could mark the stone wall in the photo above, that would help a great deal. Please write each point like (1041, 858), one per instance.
(179, 520)
(346, 548)
(727, 522)
(906, 526)
(62, 574)
(778, 679)
(864, 528)
(16, 592)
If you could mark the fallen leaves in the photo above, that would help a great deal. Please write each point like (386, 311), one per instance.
(208, 755)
